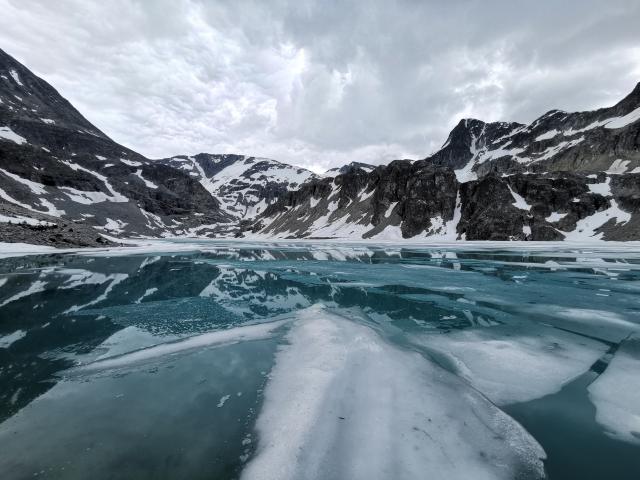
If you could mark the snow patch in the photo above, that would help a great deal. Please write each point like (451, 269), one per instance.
(15, 77)
(555, 217)
(618, 167)
(146, 182)
(115, 196)
(586, 228)
(131, 163)
(620, 122)
(520, 202)
(85, 198)
(547, 135)
(7, 134)
(114, 226)
(27, 220)
(601, 188)
(35, 187)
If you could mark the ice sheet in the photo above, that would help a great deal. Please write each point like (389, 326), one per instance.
(342, 403)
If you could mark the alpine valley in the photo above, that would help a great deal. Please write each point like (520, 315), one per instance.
(566, 176)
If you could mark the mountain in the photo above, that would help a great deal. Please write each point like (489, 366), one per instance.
(245, 186)
(595, 141)
(572, 176)
(63, 181)
(566, 176)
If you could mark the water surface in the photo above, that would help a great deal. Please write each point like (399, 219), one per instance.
(230, 359)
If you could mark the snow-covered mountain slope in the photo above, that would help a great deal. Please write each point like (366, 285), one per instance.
(68, 177)
(573, 176)
(604, 140)
(245, 186)
(417, 200)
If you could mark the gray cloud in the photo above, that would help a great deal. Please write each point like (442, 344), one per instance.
(321, 83)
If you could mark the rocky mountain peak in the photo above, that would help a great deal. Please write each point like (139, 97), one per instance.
(348, 168)
(630, 102)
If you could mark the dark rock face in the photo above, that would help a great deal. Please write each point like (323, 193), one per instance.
(403, 194)
(469, 136)
(421, 191)
(489, 211)
(46, 230)
(423, 200)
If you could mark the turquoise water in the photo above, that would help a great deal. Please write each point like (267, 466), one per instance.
(245, 360)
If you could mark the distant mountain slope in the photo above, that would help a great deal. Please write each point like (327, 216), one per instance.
(573, 176)
(58, 168)
(245, 186)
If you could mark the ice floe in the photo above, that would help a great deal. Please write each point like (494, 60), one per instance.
(515, 363)
(342, 403)
(215, 338)
(616, 393)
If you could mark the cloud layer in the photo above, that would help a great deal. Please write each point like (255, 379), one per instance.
(321, 83)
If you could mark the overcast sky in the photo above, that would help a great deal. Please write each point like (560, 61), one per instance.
(321, 83)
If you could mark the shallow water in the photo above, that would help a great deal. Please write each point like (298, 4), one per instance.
(229, 359)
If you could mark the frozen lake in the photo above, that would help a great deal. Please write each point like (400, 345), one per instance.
(222, 360)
